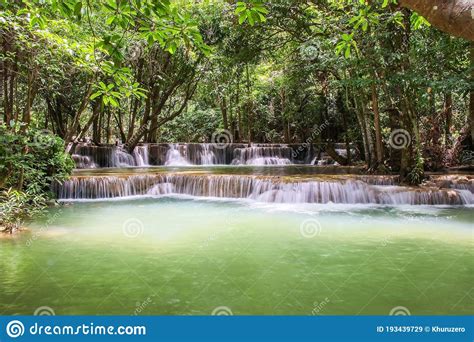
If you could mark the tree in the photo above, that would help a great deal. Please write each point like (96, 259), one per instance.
(454, 17)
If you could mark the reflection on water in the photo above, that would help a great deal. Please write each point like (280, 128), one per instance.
(188, 256)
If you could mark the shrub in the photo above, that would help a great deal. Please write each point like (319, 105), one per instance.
(30, 160)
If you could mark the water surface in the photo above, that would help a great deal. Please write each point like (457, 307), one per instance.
(184, 256)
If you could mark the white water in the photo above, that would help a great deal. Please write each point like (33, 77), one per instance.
(184, 155)
(140, 154)
(121, 158)
(262, 155)
(260, 189)
(207, 156)
(83, 162)
(174, 156)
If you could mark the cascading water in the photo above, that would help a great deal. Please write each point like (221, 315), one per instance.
(324, 159)
(122, 158)
(192, 154)
(262, 155)
(263, 189)
(174, 156)
(83, 162)
(141, 155)
(207, 156)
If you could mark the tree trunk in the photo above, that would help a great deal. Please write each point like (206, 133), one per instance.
(452, 16)
(344, 114)
(249, 107)
(330, 150)
(76, 121)
(378, 132)
(471, 100)
(30, 96)
(223, 105)
(448, 114)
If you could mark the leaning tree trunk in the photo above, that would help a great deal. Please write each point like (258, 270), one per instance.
(452, 16)
(331, 151)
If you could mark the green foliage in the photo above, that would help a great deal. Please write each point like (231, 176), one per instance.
(30, 161)
(251, 11)
(346, 44)
(275, 71)
(416, 174)
(196, 124)
(17, 206)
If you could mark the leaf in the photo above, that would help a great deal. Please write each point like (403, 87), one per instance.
(110, 20)
(78, 9)
(251, 19)
(113, 102)
(261, 9)
(95, 95)
(240, 9)
(347, 53)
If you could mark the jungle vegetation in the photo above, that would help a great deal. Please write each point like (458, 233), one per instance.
(134, 71)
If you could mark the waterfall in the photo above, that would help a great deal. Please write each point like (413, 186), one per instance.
(141, 155)
(174, 156)
(192, 154)
(83, 162)
(207, 156)
(262, 189)
(262, 155)
(459, 182)
(122, 158)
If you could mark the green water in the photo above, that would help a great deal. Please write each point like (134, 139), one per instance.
(188, 257)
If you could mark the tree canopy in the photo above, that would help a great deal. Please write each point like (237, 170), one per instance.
(131, 71)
